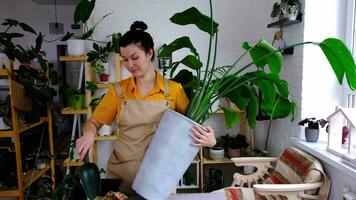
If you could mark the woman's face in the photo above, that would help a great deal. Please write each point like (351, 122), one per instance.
(136, 61)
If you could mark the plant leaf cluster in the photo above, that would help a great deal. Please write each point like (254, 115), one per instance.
(313, 123)
(100, 53)
(251, 91)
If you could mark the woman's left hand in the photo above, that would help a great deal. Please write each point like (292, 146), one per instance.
(201, 137)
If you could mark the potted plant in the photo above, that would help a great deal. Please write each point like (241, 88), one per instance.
(312, 128)
(99, 60)
(77, 44)
(236, 144)
(235, 82)
(288, 8)
(75, 97)
(290, 11)
(217, 152)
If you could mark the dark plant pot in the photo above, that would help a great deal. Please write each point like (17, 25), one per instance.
(77, 101)
(311, 135)
(104, 77)
(233, 153)
(34, 115)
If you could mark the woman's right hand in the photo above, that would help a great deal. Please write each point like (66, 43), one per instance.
(85, 144)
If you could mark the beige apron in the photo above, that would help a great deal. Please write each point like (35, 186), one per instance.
(138, 122)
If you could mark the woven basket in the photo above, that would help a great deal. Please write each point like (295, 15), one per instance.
(20, 101)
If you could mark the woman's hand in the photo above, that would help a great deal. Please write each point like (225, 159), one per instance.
(85, 144)
(201, 137)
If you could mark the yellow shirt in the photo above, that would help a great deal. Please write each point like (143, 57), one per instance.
(110, 105)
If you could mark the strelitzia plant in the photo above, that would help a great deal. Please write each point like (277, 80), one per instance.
(243, 88)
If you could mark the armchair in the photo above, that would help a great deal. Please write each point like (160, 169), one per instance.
(295, 175)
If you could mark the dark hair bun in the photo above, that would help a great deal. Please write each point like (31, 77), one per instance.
(138, 25)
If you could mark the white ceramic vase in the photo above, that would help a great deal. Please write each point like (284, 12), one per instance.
(76, 47)
(167, 158)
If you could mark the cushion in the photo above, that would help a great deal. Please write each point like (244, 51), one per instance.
(239, 193)
(296, 166)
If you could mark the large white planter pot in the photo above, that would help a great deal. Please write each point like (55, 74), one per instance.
(167, 158)
(76, 47)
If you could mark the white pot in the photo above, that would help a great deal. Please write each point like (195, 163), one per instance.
(217, 154)
(105, 130)
(215, 106)
(3, 126)
(292, 17)
(167, 158)
(76, 47)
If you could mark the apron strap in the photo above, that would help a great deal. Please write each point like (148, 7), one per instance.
(119, 91)
(166, 91)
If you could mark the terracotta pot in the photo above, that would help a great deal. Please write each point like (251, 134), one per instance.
(104, 77)
(233, 153)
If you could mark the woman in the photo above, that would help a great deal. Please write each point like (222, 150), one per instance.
(139, 103)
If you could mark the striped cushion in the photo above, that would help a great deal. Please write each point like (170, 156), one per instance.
(296, 166)
(293, 166)
(239, 193)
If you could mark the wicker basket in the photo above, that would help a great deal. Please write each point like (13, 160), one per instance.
(20, 101)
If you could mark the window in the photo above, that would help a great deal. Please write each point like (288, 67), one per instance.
(342, 130)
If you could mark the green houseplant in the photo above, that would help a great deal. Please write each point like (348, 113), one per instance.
(75, 97)
(99, 60)
(76, 43)
(212, 83)
(206, 86)
(236, 144)
(312, 128)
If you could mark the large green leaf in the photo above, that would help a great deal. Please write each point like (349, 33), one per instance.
(267, 91)
(179, 43)
(240, 96)
(186, 78)
(193, 16)
(252, 109)
(27, 28)
(341, 60)
(83, 10)
(11, 35)
(191, 62)
(39, 41)
(10, 22)
(280, 84)
(283, 107)
(231, 117)
(261, 50)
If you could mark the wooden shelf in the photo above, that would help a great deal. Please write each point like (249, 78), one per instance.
(283, 22)
(72, 111)
(182, 186)
(73, 58)
(106, 138)
(103, 85)
(25, 127)
(72, 163)
(32, 175)
(5, 134)
(4, 72)
(8, 193)
(223, 161)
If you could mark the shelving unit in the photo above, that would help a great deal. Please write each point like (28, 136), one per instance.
(194, 167)
(24, 180)
(207, 161)
(88, 75)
